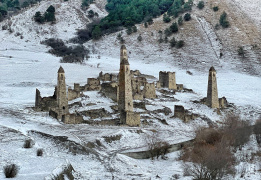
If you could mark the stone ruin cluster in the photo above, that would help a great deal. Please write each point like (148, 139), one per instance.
(123, 88)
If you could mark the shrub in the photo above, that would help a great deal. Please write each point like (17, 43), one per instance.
(236, 131)
(28, 143)
(156, 146)
(75, 54)
(139, 38)
(173, 42)
(166, 18)
(180, 44)
(211, 157)
(134, 29)
(180, 21)
(150, 21)
(167, 32)
(201, 4)
(187, 17)
(129, 30)
(11, 170)
(257, 131)
(215, 8)
(38, 17)
(39, 152)
(174, 27)
(146, 25)
(241, 51)
(223, 20)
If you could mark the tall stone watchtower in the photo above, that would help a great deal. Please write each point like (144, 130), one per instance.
(212, 96)
(62, 101)
(125, 90)
(125, 102)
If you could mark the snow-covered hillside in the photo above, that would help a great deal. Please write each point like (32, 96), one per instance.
(25, 65)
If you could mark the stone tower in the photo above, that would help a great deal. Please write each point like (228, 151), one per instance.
(167, 80)
(125, 102)
(212, 96)
(62, 101)
(125, 90)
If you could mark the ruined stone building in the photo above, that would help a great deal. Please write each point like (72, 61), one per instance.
(57, 105)
(125, 102)
(168, 80)
(183, 114)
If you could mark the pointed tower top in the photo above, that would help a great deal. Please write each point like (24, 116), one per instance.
(123, 47)
(124, 56)
(212, 69)
(61, 70)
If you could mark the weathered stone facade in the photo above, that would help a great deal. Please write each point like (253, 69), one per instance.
(212, 94)
(62, 100)
(149, 91)
(110, 90)
(183, 114)
(167, 80)
(125, 102)
(93, 84)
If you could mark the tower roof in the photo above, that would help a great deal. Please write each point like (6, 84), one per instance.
(61, 70)
(212, 69)
(125, 61)
(123, 47)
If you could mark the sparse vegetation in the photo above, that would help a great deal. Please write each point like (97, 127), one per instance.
(211, 153)
(215, 8)
(180, 21)
(11, 170)
(201, 4)
(187, 17)
(49, 16)
(75, 54)
(174, 27)
(180, 44)
(39, 152)
(139, 38)
(257, 131)
(241, 51)
(166, 18)
(173, 42)
(28, 143)
(223, 20)
(156, 146)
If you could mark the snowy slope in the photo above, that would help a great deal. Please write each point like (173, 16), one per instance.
(25, 65)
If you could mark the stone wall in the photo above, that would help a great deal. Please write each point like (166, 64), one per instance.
(183, 114)
(110, 90)
(132, 118)
(93, 84)
(73, 94)
(149, 91)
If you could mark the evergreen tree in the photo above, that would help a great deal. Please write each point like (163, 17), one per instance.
(1, 17)
(139, 38)
(180, 21)
(129, 30)
(166, 18)
(134, 29)
(201, 4)
(180, 44)
(174, 27)
(96, 33)
(223, 20)
(50, 9)
(187, 17)
(38, 17)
